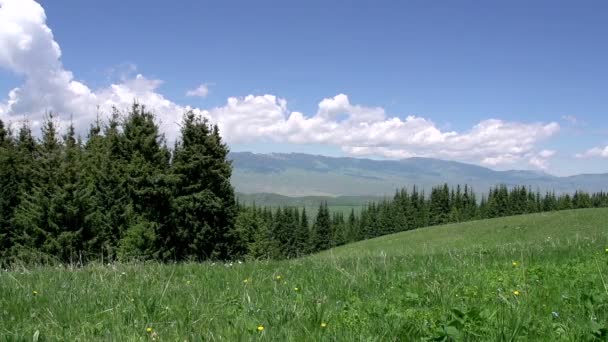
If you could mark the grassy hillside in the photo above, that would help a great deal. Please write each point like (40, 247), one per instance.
(565, 227)
(537, 278)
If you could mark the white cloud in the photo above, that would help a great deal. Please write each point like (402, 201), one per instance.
(201, 91)
(28, 48)
(546, 153)
(540, 160)
(601, 152)
(367, 131)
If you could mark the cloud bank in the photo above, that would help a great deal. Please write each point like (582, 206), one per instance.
(601, 152)
(28, 48)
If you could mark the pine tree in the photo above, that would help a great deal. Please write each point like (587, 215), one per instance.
(352, 227)
(70, 201)
(439, 207)
(148, 185)
(264, 245)
(204, 205)
(9, 191)
(36, 216)
(302, 236)
(321, 231)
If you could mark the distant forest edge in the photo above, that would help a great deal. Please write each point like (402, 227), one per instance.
(123, 194)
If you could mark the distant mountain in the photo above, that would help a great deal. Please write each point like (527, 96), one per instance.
(298, 174)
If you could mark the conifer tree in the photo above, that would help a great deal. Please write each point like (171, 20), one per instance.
(204, 205)
(321, 230)
(36, 216)
(71, 201)
(148, 186)
(302, 235)
(9, 190)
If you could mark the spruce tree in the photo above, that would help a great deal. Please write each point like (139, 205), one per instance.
(71, 201)
(36, 216)
(9, 191)
(147, 183)
(321, 231)
(302, 235)
(204, 205)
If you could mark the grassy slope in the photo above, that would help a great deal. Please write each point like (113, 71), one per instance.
(455, 280)
(524, 229)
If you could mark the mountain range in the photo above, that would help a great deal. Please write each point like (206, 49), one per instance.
(298, 174)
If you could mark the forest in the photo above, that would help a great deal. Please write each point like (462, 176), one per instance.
(122, 193)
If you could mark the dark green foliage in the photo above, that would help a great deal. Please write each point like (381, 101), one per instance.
(36, 217)
(121, 194)
(9, 189)
(203, 208)
(321, 235)
(124, 194)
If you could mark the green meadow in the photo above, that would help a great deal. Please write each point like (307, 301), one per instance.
(539, 277)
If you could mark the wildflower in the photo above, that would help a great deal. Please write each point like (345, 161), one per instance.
(35, 293)
(149, 330)
(188, 282)
(323, 325)
(246, 280)
(278, 277)
(516, 293)
(260, 328)
(515, 264)
(606, 250)
(296, 289)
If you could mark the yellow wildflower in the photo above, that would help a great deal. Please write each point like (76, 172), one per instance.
(278, 277)
(296, 289)
(323, 325)
(515, 264)
(516, 293)
(35, 293)
(149, 330)
(260, 328)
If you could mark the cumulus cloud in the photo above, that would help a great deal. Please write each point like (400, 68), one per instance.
(28, 48)
(540, 160)
(368, 131)
(200, 91)
(596, 152)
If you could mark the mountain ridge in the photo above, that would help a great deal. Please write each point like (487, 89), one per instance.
(301, 174)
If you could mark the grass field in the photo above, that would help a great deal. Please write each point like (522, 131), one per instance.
(535, 277)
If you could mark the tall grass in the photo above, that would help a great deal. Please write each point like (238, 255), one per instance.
(546, 287)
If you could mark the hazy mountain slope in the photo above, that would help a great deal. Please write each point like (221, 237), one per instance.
(298, 174)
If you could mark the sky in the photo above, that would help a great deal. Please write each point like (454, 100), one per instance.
(506, 85)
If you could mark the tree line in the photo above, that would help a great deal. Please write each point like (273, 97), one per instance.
(123, 194)
(286, 233)
(120, 194)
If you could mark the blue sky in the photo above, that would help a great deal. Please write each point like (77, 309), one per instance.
(454, 64)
